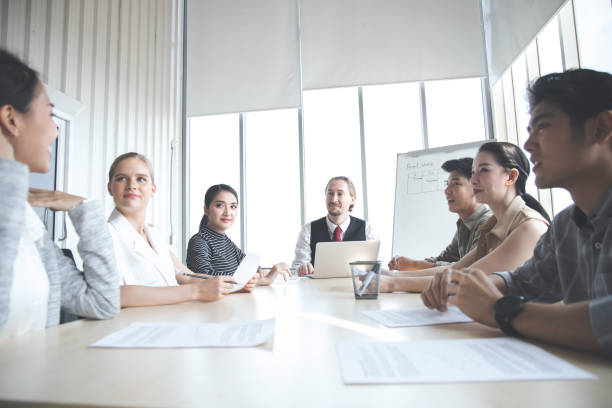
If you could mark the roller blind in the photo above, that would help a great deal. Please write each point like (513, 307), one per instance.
(241, 56)
(510, 26)
(361, 42)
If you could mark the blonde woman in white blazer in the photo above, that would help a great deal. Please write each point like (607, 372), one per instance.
(150, 273)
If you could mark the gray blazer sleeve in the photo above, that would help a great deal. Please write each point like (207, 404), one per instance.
(13, 193)
(93, 292)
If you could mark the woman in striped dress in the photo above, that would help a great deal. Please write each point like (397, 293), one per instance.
(211, 251)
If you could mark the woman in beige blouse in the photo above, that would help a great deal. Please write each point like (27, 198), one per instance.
(508, 238)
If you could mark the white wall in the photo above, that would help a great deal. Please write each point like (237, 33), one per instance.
(122, 60)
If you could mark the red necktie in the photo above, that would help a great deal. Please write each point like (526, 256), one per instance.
(337, 232)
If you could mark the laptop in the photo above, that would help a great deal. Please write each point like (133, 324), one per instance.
(332, 258)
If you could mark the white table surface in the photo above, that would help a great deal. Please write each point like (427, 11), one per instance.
(298, 369)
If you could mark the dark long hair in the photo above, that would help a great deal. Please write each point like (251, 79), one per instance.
(510, 156)
(210, 195)
(17, 82)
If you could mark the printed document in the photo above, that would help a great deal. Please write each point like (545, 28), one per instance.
(171, 335)
(449, 361)
(417, 316)
(247, 268)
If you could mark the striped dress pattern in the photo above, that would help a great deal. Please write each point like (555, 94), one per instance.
(212, 253)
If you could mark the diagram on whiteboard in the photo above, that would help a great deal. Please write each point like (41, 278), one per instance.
(424, 181)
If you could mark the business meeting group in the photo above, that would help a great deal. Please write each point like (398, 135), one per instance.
(509, 266)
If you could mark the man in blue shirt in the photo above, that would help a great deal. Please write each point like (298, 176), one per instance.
(570, 142)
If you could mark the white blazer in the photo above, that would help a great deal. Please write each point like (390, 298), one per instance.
(137, 262)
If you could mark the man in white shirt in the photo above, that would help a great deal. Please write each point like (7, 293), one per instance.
(338, 225)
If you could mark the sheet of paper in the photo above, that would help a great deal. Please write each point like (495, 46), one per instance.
(417, 316)
(448, 361)
(174, 335)
(246, 270)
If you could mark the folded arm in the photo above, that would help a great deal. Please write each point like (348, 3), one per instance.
(93, 292)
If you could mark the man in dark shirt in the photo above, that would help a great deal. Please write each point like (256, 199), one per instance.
(570, 142)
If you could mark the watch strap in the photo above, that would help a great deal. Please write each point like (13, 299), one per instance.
(505, 310)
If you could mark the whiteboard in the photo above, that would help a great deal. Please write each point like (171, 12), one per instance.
(422, 224)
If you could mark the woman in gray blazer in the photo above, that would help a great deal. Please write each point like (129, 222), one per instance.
(36, 279)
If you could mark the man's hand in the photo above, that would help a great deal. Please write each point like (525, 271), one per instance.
(54, 200)
(396, 262)
(401, 263)
(469, 289)
(305, 269)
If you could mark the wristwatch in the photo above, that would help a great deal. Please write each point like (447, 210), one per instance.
(505, 310)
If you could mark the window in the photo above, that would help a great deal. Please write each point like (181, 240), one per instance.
(392, 125)
(214, 158)
(594, 27)
(273, 184)
(549, 48)
(53, 179)
(454, 111)
(520, 82)
(332, 146)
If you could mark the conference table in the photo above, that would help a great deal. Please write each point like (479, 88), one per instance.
(299, 368)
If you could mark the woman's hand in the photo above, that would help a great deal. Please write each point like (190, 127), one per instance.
(250, 285)
(54, 200)
(212, 289)
(280, 268)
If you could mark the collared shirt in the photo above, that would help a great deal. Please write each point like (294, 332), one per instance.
(465, 238)
(138, 262)
(573, 262)
(494, 232)
(302, 248)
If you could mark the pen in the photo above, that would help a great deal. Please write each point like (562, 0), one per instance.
(366, 282)
(193, 275)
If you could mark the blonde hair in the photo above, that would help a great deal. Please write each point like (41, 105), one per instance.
(129, 155)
